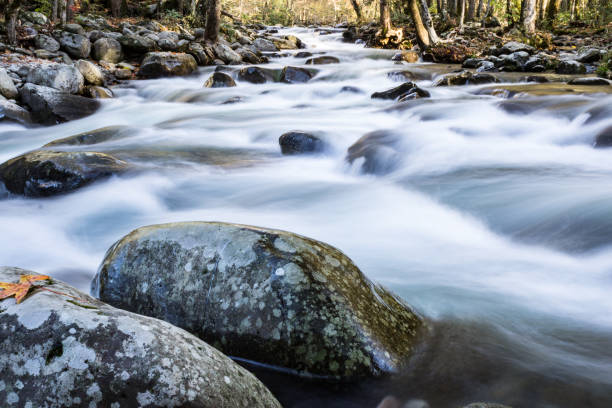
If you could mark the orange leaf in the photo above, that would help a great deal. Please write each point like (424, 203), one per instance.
(21, 289)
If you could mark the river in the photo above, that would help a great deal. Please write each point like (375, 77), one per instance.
(495, 224)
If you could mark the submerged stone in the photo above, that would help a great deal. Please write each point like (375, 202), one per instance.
(67, 349)
(300, 143)
(264, 295)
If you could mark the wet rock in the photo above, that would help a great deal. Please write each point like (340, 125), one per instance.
(7, 86)
(515, 46)
(402, 90)
(158, 64)
(380, 151)
(604, 138)
(45, 42)
(45, 173)
(99, 92)
(67, 349)
(465, 78)
(92, 74)
(472, 63)
(226, 54)
(570, 67)
(589, 55)
(219, 80)
(198, 52)
(107, 49)
(303, 54)
(13, 112)
(35, 17)
(74, 28)
(406, 56)
(256, 75)
(485, 66)
(296, 75)
(136, 44)
(535, 78)
(76, 45)
(263, 45)
(300, 142)
(351, 89)
(593, 81)
(326, 59)
(65, 78)
(448, 53)
(265, 295)
(248, 56)
(50, 106)
(536, 63)
(92, 137)
(485, 405)
(515, 61)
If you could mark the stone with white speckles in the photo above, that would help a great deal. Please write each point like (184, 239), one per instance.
(271, 296)
(71, 350)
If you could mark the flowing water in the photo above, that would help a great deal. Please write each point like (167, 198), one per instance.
(494, 222)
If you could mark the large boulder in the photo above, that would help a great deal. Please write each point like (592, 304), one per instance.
(296, 75)
(65, 78)
(63, 348)
(76, 45)
(515, 46)
(12, 111)
(107, 49)
(268, 296)
(263, 45)
(296, 142)
(92, 74)
(570, 67)
(226, 54)
(158, 64)
(7, 86)
(604, 137)
(219, 80)
(50, 106)
(136, 44)
(45, 42)
(44, 173)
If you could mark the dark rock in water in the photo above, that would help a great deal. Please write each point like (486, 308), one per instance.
(255, 75)
(570, 67)
(379, 150)
(300, 142)
(92, 137)
(158, 64)
(326, 59)
(594, 81)
(604, 138)
(484, 66)
(402, 90)
(471, 63)
(485, 405)
(219, 80)
(589, 55)
(67, 349)
(232, 100)
(535, 78)
(296, 75)
(268, 296)
(12, 111)
(351, 89)
(45, 173)
(465, 78)
(448, 53)
(303, 54)
(50, 106)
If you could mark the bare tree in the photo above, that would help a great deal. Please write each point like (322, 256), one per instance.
(385, 17)
(357, 9)
(115, 8)
(421, 32)
(54, 8)
(551, 12)
(462, 14)
(10, 14)
(479, 9)
(509, 12)
(213, 20)
(471, 10)
(428, 23)
(529, 16)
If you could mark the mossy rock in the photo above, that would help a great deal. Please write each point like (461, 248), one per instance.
(264, 295)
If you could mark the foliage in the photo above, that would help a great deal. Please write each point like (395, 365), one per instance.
(604, 69)
(21, 289)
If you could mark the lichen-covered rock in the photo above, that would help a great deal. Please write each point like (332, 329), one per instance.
(264, 295)
(107, 49)
(44, 173)
(45, 42)
(226, 54)
(300, 143)
(7, 86)
(263, 45)
(91, 73)
(515, 46)
(50, 106)
(137, 44)
(570, 67)
(158, 64)
(67, 349)
(219, 80)
(76, 45)
(65, 78)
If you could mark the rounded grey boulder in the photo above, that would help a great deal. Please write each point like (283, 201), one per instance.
(76, 45)
(67, 349)
(158, 64)
(107, 49)
(264, 295)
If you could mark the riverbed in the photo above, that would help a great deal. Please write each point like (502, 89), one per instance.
(493, 222)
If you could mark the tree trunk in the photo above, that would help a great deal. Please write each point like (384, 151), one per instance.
(180, 6)
(489, 10)
(479, 9)
(421, 32)
(471, 10)
(461, 14)
(193, 7)
(509, 13)
(385, 17)
(70, 10)
(213, 19)
(452, 7)
(63, 11)
(551, 12)
(357, 9)
(427, 21)
(11, 22)
(529, 16)
(54, 11)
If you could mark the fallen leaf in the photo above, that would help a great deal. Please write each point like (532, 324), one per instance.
(21, 289)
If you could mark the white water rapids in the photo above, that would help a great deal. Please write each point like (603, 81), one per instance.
(490, 216)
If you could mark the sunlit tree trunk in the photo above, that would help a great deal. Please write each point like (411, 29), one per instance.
(428, 23)
(357, 9)
(529, 16)
(421, 31)
(213, 20)
(461, 14)
(385, 17)
(63, 11)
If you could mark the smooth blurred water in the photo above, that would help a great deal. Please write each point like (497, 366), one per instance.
(489, 218)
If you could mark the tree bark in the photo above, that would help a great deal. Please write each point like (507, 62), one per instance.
(180, 6)
(213, 20)
(529, 16)
(421, 32)
(479, 9)
(11, 21)
(385, 17)
(471, 10)
(63, 11)
(428, 23)
(509, 13)
(461, 14)
(551, 12)
(69, 10)
(54, 11)
(357, 9)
